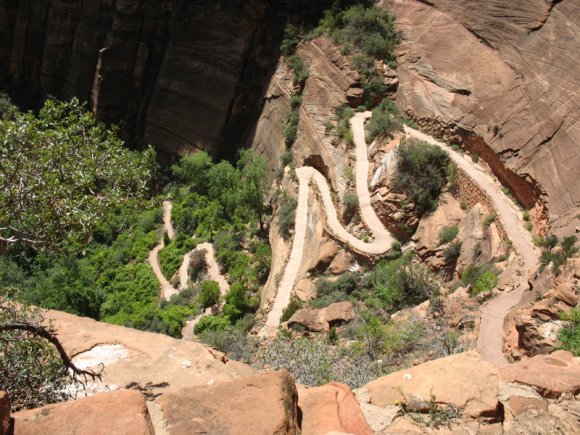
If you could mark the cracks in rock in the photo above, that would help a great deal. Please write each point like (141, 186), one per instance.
(549, 138)
(545, 18)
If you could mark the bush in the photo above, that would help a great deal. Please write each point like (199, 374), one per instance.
(299, 69)
(384, 121)
(287, 216)
(292, 307)
(365, 28)
(569, 335)
(292, 37)
(475, 157)
(171, 256)
(286, 158)
(559, 256)
(209, 294)
(488, 220)
(447, 234)
(486, 282)
(290, 127)
(342, 117)
(210, 323)
(295, 101)
(421, 173)
(452, 251)
(483, 278)
(350, 203)
(197, 263)
(372, 81)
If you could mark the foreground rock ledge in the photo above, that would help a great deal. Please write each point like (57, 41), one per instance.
(260, 404)
(465, 381)
(120, 412)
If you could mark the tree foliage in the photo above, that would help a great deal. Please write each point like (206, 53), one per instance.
(60, 172)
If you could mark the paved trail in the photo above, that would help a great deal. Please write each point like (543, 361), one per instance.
(382, 242)
(491, 333)
(166, 289)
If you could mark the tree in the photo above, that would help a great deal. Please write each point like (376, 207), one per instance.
(255, 177)
(209, 294)
(60, 173)
(36, 369)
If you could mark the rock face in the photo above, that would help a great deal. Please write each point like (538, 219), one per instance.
(552, 375)
(118, 412)
(260, 404)
(500, 77)
(178, 75)
(464, 380)
(152, 363)
(319, 320)
(330, 408)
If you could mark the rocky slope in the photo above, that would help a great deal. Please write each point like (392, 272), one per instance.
(501, 79)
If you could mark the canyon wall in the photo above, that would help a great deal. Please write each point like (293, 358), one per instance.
(502, 79)
(178, 75)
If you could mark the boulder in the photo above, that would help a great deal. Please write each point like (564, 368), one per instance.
(319, 320)
(328, 408)
(117, 412)
(343, 262)
(261, 404)
(139, 359)
(4, 413)
(551, 375)
(464, 380)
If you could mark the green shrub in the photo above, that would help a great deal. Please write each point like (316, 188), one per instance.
(171, 256)
(292, 37)
(447, 234)
(372, 81)
(569, 335)
(486, 282)
(299, 69)
(210, 323)
(421, 173)
(365, 28)
(384, 122)
(475, 157)
(209, 294)
(557, 257)
(293, 306)
(287, 216)
(295, 101)
(286, 158)
(350, 203)
(488, 220)
(526, 215)
(452, 251)
(342, 117)
(290, 127)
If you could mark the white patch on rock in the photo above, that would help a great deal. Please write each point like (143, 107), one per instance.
(105, 354)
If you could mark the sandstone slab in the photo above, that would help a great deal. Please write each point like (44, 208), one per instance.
(551, 375)
(142, 360)
(319, 320)
(261, 404)
(119, 412)
(330, 408)
(463, 380)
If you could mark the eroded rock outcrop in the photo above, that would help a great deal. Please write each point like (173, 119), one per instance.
(464, 380)
(118, 412)
(502, 79)
(149, 362)
(262, 404)
(320, 320)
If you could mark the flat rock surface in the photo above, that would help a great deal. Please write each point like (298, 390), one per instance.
(138, 359)
(261, 404)
(331, 408)
(463, 380)
(319, 320)
(551, 375)
(118, 412)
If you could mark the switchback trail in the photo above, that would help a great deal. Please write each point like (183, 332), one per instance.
(382, 242)
(491, 333)
(166, 288)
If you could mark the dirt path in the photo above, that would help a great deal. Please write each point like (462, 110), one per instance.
(382, 238)
(491, 333)
(166, 289)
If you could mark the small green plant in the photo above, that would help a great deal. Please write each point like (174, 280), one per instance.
(428, 414)
(486, 282)
(342, 116)
(452, 251)
(290, 127)
(557, 257)
(475, 157)
(477, 250)
(529, 226)
(209, 294)
(350, 203)
(487, 221)
(286, 158)
(299, 68)
(332, 336)
(569, 335)
(293, 306)
(292, 37)
(287, 215)
(384, 122)
(447, 234)
(526, 215)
